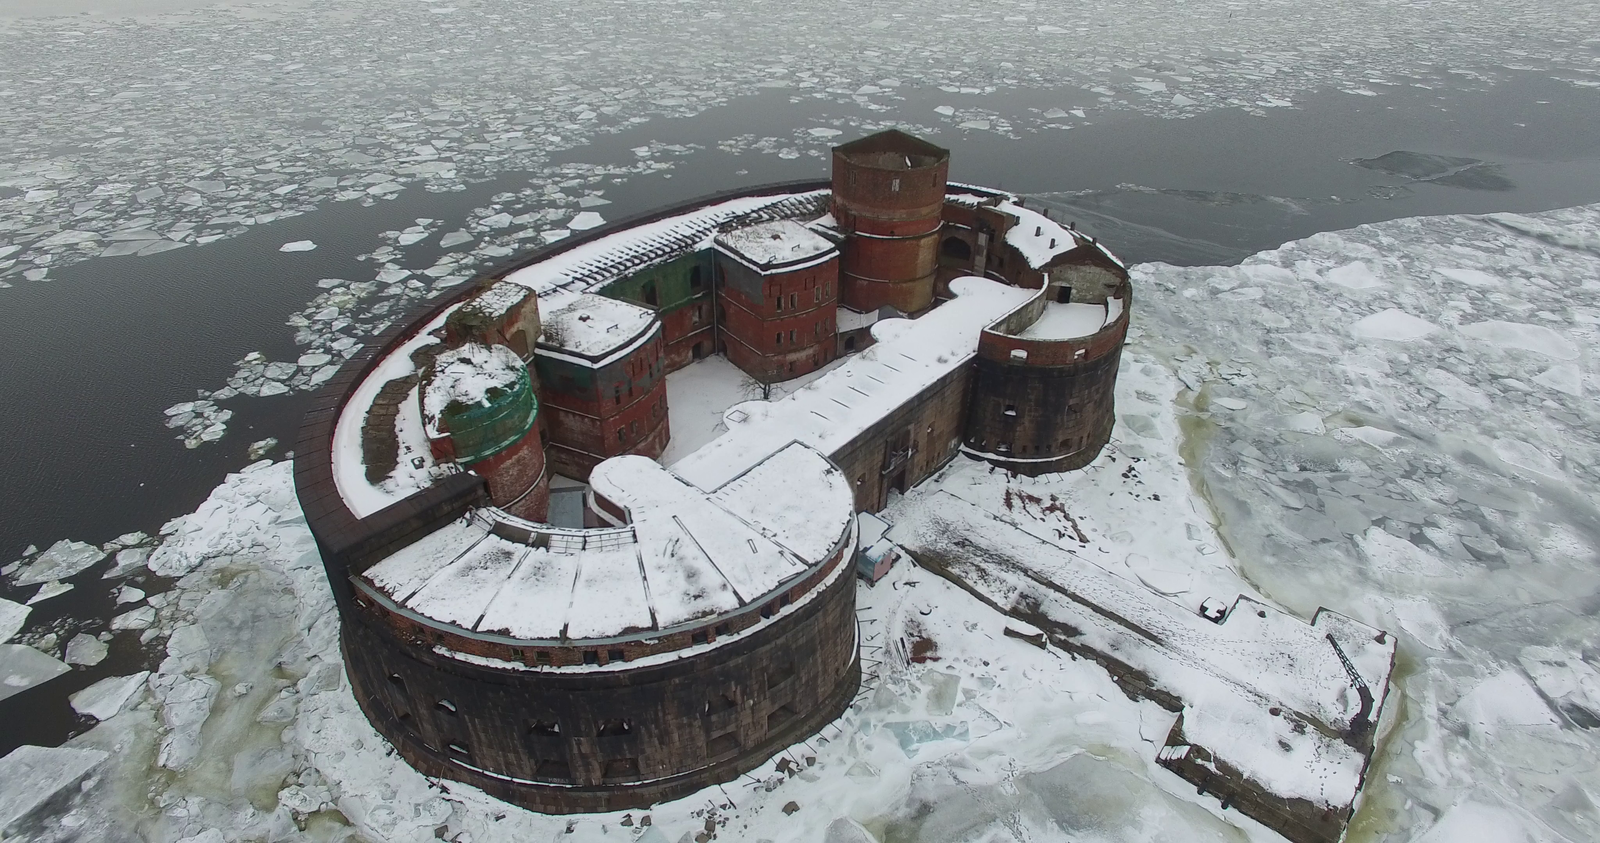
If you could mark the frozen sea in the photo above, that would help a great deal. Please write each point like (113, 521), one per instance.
(1367, 241)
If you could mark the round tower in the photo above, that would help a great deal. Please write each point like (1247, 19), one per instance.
(888, 200)
(1044, 382)
(479, 409)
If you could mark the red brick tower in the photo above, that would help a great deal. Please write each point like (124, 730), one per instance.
(777, 290)
(888, 198)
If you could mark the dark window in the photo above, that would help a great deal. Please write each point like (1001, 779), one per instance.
(545, 729)
(394, 679)
(779, 674)
(849, 344)
(621, 768)
(446, 706)
(591, 656)
(791, 301)
(694, 278)
(777, 339)
(956, 248)
(723, 744)
(780, 302)
(698, 638)
(779, 716)
(1063, 294)
(724, 629)
(721, 703)
(650, 294)
(791, 336)
(766, 611)
(542, 657)
(615, 728)
(615, 656)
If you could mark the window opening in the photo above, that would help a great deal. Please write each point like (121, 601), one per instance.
(615, 728)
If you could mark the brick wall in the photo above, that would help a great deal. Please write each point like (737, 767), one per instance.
(778, 326)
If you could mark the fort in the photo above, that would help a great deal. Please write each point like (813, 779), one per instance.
(701, 617)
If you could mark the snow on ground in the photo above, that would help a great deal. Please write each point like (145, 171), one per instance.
(698, 395)
(1437, 488)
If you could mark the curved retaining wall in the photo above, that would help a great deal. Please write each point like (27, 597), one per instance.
(1052, 407)
(563, 741)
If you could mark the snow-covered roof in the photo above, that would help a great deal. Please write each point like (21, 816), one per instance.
(1068, 321)
(685, 555)
(466, 374)
(592, 326)
(1038, 238)
(777, 246)
(910, 355)
(590, 266)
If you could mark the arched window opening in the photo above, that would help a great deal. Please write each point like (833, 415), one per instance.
(956, 249)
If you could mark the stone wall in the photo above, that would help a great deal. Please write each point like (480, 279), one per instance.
(905, 447)
(602, 740)
(1041, 406)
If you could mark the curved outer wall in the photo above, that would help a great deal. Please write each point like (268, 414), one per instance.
(604, 740)
(1052, 411)
(891, 219)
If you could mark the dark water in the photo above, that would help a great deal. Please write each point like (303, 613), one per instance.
(95, 354)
